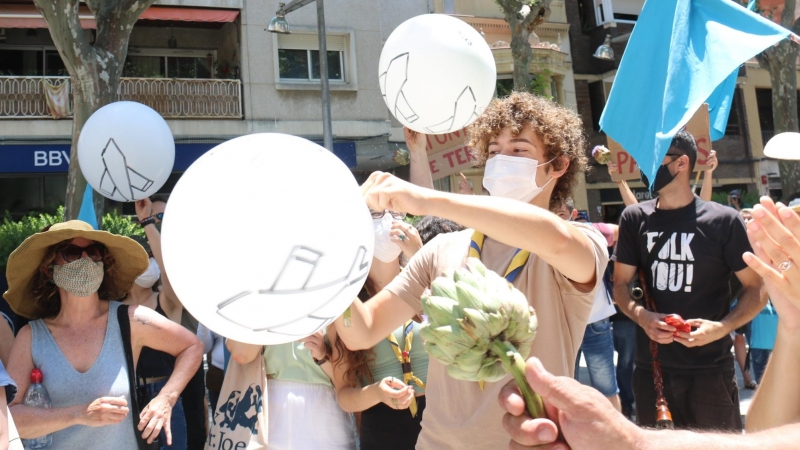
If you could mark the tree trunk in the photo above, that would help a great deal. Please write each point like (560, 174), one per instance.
(522, 18)
(781, 63)
(95, 70)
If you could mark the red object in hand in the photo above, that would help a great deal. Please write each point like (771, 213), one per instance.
(678, 322)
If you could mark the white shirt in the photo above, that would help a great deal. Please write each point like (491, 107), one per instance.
(603, 306)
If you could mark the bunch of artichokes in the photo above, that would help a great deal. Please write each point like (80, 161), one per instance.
(481, 328)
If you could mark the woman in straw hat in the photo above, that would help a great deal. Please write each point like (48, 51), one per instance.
(64, 279)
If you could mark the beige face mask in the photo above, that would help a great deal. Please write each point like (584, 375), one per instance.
(80, 278)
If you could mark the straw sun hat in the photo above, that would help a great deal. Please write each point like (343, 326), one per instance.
(131, 261)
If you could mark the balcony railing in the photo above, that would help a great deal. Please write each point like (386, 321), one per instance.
(174, 98)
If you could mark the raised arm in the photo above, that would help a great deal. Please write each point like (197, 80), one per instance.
(418, 155)
(171, 304)
(776, 401)
(708, 177)
(511, 222)
(628, 197)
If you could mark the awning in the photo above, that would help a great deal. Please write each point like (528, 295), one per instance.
(27, 16)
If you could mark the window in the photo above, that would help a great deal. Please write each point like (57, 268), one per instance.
(597, 99)
(142, 63)
(625, 11)
(34, 61)
(298, 57)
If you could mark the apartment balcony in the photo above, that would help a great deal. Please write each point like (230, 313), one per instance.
(43, 97)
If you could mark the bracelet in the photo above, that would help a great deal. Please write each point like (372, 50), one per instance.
(148, 221)
(320, 362)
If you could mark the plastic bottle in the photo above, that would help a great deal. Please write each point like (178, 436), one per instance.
(37, 397)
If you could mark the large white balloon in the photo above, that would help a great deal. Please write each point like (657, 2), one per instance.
(267, 238)
(126, 151)
(437, 74)
(783, 146)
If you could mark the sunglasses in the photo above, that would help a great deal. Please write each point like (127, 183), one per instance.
(72, 253)
(395, 215)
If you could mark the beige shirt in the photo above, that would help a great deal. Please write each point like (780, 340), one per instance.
(458, 414)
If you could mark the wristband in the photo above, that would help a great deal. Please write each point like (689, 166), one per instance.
(148, 221)
(320, 362)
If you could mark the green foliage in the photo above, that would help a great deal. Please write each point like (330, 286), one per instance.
(114, 223)
(13, 233)
(539, 83)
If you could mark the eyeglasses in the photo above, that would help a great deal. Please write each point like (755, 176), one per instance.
(395, 215)
(159, 216)
(72, 253)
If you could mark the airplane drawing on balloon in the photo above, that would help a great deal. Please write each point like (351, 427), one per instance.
(119, 178)
(295, 280)
(393, 80)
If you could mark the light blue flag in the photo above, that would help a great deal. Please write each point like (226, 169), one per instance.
(678, 55)
(87, 213)
(720, 102)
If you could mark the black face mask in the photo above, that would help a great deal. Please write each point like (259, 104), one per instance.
(663, 178)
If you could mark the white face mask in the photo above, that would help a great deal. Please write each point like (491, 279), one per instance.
(385, 249)
(150, 276)
(513, 177)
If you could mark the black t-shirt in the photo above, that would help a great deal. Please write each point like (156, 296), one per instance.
(689, 275)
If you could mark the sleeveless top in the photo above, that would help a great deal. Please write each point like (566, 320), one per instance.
(387, 365)
(108, 377)
(154, 363)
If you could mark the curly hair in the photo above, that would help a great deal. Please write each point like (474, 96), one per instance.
(559, 128)
(46, 293)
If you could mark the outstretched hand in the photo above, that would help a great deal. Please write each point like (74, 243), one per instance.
(582, 415)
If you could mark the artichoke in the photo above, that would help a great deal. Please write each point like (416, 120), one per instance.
(601, 154)
(481, 327)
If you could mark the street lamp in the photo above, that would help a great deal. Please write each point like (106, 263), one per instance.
(278, 24)
(605, 52)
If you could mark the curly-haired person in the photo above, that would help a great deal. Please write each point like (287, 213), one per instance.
(533, 149)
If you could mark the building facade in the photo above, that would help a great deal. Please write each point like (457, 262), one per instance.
(740, 153)
(214, 72)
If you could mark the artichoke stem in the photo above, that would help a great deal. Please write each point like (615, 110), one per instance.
(513, 362)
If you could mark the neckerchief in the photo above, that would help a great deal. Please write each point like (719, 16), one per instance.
(519, 260)
(405, 360)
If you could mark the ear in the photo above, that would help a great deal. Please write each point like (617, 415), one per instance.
(683, 164)
(564, 162)
(574, 214)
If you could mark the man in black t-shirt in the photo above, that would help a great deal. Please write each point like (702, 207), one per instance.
(688, 250)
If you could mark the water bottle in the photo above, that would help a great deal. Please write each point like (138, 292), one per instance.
(37, 397)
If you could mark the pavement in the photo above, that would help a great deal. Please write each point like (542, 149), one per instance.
(745, 395)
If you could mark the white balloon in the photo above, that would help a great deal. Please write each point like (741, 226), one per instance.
(437, 74)
(126, 151)
(267, 238)
(783, 146)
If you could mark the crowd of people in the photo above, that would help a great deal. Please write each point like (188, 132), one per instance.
(122, 359)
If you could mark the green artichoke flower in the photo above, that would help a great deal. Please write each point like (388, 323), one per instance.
(481, 327)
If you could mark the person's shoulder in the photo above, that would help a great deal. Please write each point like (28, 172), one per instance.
(718, 211)
(639, 209)
(450, 239)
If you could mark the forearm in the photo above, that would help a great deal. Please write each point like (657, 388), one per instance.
(705, 191)
(524, 226)
(186, 364)
(420, 169)
(360, 334)
(356, 399)
(628, 197)
(752, 300)
(627, 305)
(783, 438)
(35, 422)
(777, 401)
